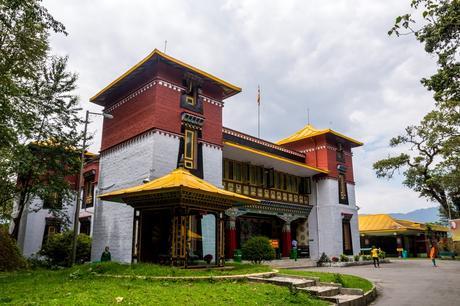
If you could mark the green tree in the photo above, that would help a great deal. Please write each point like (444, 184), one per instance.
(431, 161)
(38, 111)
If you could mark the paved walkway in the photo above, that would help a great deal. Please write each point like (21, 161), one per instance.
(410, 282)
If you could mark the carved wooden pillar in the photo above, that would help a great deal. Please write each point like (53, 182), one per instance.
(230, 231)
(286, 234)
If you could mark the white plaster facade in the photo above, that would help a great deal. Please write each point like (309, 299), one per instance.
(325, 220)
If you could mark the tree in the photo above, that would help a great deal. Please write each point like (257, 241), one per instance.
(46, 161)
(431, 161)
(38, 110)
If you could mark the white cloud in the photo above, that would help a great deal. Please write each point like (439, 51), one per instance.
(333, 57)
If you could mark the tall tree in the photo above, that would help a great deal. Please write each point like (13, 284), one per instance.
(38, 110)
(431, 163)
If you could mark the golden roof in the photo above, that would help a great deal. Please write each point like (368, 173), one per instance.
(232, 89)
(178, 178)
(386, 223)
(309, 131)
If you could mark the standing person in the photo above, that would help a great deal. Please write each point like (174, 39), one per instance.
(433, 254)
(106, 256)
(375, 256)
(294, 249)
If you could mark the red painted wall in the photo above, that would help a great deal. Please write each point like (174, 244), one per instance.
(324, 158)
(159, 107)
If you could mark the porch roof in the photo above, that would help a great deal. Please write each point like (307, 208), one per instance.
(383, 223)
(177, 180)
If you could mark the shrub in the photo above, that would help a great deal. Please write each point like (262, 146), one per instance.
(338, 279)
(10, 257)
(367, 257)
(382, 254)
(323, 259)
(344, 258)
(335, 259)
(356, 257)
(258, 249)
(58, 249)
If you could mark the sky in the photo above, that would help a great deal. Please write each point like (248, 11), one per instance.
(332, 57)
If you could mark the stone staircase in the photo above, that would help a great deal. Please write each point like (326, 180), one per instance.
(330, 292)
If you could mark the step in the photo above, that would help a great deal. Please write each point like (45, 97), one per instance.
(322, 291)
(285, 281)
(343, 299)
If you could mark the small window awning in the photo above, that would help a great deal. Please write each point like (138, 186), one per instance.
(178, 187)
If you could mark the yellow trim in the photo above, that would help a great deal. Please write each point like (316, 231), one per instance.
(172, 59)
(273, 156)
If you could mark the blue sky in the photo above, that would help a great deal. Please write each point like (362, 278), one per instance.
(333, 57)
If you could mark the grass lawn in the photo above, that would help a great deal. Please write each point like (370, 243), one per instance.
(145, 269)
(77, 286)
(347, 281)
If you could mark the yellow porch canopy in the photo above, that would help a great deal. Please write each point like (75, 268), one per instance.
(179, 186)
(383, 223)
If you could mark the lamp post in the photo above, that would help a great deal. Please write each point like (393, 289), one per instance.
(80, 175)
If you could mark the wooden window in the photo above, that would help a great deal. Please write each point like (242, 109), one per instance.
(190, 100)
(305, 185)
(190, 149)
(245, 172)
(340, 157)
(52, 201)
(237, 171)
(343, 194)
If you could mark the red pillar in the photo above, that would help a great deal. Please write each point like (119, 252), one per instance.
(286, 239)
(230, 234)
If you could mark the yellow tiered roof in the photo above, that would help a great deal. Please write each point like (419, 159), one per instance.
(178, 178)
(381, 223)
(309, 131)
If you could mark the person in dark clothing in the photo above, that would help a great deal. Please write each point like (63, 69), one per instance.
(106, 256)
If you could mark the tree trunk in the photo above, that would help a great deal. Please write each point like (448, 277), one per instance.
(17, 220)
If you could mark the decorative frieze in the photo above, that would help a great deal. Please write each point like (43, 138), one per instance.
(163, 83)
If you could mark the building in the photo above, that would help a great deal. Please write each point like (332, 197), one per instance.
(41, 219)
(172, 180)
(394, 235)
(166, 111)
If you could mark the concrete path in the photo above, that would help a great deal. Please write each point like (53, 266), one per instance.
(410, 282)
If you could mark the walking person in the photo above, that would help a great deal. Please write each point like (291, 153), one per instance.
(375, 256)
(433, 254)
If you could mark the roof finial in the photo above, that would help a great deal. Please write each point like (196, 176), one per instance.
(166, 43)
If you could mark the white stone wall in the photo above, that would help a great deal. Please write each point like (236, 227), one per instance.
(33, 222)
(212, 165)
(329, 223)
(148, 157)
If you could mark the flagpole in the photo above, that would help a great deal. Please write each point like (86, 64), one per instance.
(258, 121)
(258, 111)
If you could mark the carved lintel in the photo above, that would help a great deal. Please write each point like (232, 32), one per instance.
(288, 218)
(233, 213)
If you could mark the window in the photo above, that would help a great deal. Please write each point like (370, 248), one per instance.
(189, 149)
(52, 201)
(52, 226)
(343, 194)
(88, 191)
(305, 185)
(339, 154)
(190, 100)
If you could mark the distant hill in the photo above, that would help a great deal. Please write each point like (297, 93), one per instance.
(419, 215)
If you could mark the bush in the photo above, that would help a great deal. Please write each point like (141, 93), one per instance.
(344, 258)
(258, 249)
(208, 258)
(382, 254)
(335, 259)
(323, 259)
(356, 257)
(58, 249)
(367, 257)
(10, 257)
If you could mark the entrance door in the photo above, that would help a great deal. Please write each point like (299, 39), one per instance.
(155, 240)
(346, 237)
